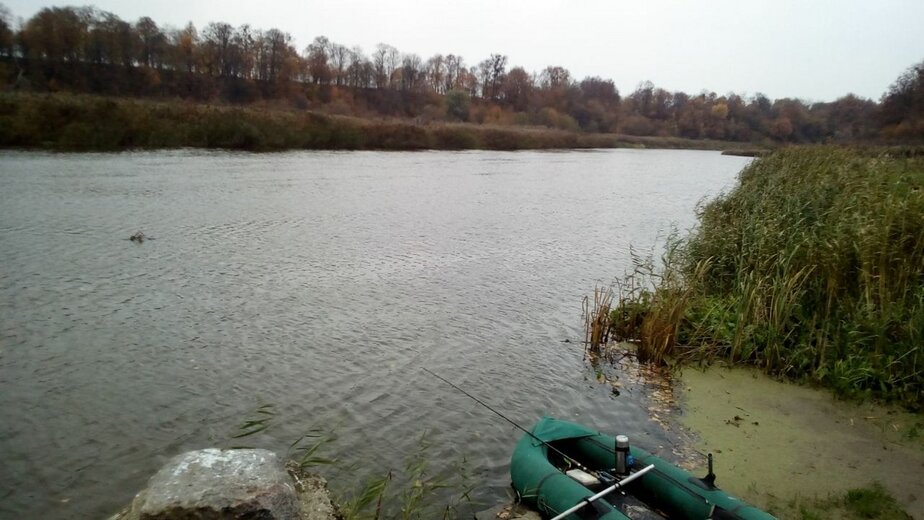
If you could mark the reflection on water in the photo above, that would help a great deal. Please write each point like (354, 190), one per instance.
(320, 283)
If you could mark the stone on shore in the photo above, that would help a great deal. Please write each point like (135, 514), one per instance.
(215, 484)
(508, 512)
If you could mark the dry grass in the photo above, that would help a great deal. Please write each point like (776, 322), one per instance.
(597, 318)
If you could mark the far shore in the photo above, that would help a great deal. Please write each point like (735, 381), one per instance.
(86, 123)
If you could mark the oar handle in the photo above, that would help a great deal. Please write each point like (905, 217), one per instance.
(606, 491)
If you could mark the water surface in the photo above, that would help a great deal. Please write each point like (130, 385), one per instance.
(317, 282)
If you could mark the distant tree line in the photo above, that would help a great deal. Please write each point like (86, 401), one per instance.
(84, 49)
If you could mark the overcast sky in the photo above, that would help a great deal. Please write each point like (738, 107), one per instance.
(817, 50)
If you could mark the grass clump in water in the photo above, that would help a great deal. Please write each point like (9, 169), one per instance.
(418, 492)
(414, 493)
(813, 267)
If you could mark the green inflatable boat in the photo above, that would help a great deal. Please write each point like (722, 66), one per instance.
(562, 465)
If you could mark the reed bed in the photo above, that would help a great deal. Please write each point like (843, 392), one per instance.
(812, 268)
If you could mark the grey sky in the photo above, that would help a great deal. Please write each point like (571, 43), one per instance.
(816, 50)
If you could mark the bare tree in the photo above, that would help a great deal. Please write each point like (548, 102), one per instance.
(245, 43)
(554, 77)
(318, 55)
(184, 44)
(218, 40)
(435, 70)
(339, 61)
(6, 31)
(278, 51)
(491, 72)
(380, 64)
(410, 74)
(517, 89)
(392, 63)
(152, 43)
(455, 66)
(360, 72)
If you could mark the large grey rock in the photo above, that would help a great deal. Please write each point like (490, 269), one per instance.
(220, 484)
(231, 484)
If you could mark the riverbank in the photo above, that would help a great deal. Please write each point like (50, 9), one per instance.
(69, 122)
(797, 451)
(812, 268)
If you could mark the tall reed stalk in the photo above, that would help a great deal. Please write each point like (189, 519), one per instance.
(597, 318)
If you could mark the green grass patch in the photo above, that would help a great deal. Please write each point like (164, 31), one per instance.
(873, 502)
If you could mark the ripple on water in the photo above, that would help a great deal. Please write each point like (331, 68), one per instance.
(320, 283)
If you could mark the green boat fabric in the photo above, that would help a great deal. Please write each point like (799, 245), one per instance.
(670, 489)
(551, 430)
(549, 490)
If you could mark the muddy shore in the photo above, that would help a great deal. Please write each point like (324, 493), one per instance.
(778, 443)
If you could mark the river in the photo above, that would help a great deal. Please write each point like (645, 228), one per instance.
(320, 283)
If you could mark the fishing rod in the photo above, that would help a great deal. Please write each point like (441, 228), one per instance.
(504, 417)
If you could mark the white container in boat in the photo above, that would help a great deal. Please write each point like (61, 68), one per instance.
(583, 477)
